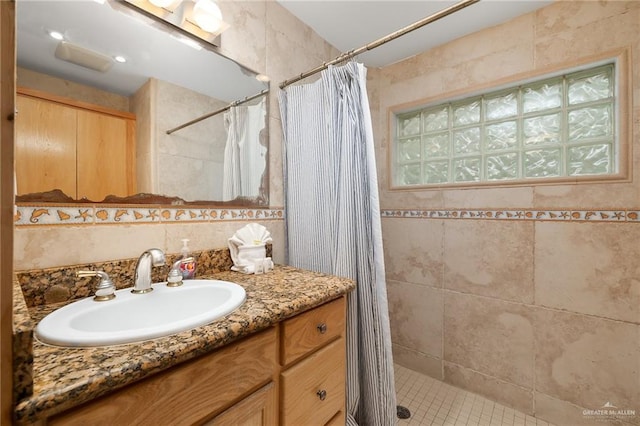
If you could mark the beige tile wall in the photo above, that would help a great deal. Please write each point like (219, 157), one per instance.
(266, 38)
(542, 316)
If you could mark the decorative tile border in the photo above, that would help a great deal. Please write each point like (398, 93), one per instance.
(622, 215)
(29, 215)
(33, 215)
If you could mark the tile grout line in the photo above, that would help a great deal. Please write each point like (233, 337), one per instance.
(442, 272)
(535, 340)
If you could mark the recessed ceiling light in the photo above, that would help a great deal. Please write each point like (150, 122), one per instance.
(56, 35)
(120, 59)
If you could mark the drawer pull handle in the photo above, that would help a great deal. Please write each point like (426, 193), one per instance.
(322, 328)
(322, 394)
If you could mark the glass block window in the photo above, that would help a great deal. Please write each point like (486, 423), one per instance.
(558, 127)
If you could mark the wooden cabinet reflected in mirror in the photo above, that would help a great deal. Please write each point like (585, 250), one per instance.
(86, 135)
(86, 151)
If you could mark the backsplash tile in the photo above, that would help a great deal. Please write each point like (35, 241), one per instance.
(60, 284)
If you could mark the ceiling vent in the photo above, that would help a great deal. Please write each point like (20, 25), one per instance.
(83, 57)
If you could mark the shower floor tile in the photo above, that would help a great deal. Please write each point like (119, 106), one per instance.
(435, 403)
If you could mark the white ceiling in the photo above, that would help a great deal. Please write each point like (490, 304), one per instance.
(350, 24)
(151, 50)
(346, 24)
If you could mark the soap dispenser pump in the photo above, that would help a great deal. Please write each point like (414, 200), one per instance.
(188, 264)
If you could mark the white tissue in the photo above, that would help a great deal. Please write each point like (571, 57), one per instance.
(247, 245)
(267, 264)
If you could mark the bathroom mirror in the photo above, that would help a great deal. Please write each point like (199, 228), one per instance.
(168, 78)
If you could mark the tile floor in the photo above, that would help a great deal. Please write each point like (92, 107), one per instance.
(435, 403)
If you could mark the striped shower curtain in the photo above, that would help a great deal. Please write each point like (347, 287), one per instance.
(333, 223)
(244, 153)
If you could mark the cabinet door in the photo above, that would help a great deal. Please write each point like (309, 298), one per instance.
(258, 409)
(45, 146)
(106, 155)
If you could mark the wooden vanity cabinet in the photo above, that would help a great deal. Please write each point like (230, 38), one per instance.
(85, 150)
(238, 376)
(292, 374)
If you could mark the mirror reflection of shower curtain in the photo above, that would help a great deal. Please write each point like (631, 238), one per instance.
(244, 155)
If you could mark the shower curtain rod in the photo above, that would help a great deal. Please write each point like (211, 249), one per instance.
(350, 54)
(211, 114)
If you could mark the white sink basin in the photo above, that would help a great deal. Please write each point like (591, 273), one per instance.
(136, 317)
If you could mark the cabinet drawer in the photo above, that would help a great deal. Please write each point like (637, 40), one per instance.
(187, 393)
(313, 390)
(311, 330)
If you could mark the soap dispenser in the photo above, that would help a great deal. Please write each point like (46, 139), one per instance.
(187, 267)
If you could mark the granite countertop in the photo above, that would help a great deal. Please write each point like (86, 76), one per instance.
(66, 377)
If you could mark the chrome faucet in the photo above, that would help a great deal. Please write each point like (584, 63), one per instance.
(142, 277)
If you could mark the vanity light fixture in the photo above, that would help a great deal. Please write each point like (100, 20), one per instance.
(207, 15)
(201, 18)
(165, 4)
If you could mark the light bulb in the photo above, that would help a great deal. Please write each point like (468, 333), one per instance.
(207, 15)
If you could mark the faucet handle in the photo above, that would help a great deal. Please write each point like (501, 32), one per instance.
(175, 276)
(105, 289)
